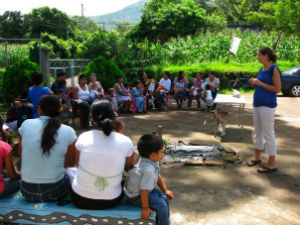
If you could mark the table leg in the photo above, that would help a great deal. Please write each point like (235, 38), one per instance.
(216, 119)
(242, 127)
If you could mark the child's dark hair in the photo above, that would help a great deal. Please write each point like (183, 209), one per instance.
(167, 73)
(181, 72)
(269, 52)
(37, 78)
(149, 143)
(63, 82)
(50, 106)
(58, 91)
(126, 85)
(103, 115)
(137, 82)
(207, 87)
(110, 91)
(180, 78)
(118, 124)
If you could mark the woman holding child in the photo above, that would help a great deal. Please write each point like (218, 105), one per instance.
(102, 156)
(97, 85)
(123, 95)
(46, 148)
(195, 91)
(81, 94)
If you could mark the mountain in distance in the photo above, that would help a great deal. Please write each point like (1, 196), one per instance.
(131, 14)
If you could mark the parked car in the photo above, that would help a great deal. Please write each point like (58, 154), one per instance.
(290, 84)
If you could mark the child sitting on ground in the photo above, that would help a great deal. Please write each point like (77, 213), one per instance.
(208, 98)
(119, 126)
(113, 99)
(94, 94)
(179, 92)
(139, 98)
(140, 186)
(64, 110)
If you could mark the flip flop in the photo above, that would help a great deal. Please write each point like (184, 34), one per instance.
(255, 162)
(268, 170)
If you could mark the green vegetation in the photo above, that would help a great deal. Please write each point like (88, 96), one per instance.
(106, 71)
(16, 78)
(15, 53)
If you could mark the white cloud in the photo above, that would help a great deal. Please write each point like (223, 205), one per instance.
(71, 7)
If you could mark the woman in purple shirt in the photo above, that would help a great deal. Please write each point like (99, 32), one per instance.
(267, 85)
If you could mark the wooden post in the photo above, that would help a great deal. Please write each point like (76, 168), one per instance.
(45, 65)
(160, 131)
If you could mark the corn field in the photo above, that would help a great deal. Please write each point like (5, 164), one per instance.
(214, 47)
(15, 53)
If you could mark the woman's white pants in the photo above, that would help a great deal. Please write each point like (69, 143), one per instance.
(264, 134)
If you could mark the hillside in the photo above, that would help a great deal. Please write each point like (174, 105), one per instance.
(131, 14)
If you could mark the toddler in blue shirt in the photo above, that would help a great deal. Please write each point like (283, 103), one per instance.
(140, 187)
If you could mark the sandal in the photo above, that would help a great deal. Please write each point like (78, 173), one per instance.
(254, 162)
(267, 170)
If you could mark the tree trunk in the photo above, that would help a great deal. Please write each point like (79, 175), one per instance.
(277, 41)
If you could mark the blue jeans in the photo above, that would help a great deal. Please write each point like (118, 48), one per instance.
(85, 107)
(50, 192)
(159, 202)
(162, 98)
(11, 187)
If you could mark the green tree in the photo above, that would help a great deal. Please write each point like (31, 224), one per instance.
(165, 19)
(123, 28)
(89, 25)
(12, 24)
(52, 21)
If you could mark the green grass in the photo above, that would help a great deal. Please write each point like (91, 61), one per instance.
(241, 90)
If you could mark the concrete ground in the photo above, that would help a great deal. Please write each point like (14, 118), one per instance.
(236, 194)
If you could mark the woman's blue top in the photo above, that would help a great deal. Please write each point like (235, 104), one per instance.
(263, 97)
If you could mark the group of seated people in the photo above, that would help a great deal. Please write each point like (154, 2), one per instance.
(50, 150)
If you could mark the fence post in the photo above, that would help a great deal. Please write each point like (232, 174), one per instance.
(72, 72)
(45, 65)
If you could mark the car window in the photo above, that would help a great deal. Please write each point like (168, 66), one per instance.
(294, 70)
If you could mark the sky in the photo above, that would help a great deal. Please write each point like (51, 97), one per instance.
(70, 7)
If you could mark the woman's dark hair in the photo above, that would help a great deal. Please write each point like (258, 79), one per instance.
(61, 74)
(118, 77)
(126, 85)
(181, 72)
(149, 143)
(167, 73)
(180, 78)
(150, 76)
(37, 78)
(50, 106)
(212, 73)
(103, 115)
(269, 52)
(199, 74)
(82, 76)
(137, 82)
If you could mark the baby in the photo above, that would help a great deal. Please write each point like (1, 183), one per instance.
(113, 99)
(94, 94)
(119, 126)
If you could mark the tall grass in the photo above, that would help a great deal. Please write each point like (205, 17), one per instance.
(15, 53)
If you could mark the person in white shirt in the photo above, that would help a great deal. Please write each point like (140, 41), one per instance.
(102, 157)
(208, 98)
(163, 89)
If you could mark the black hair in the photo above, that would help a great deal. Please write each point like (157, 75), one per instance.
(82, 76)
(212, 73)
(63, 82)
(1, 122)
(37, 78)
(207, 87)
(58, 91)
(103, 115)
(118, 77)
(199, 74)
(150, 76)
(137, 82)
(126, 85)
(149, 143)
(181, 72)
(269, 52)
(60, 74)
(167, 73)
(50, 106)
(180, 78)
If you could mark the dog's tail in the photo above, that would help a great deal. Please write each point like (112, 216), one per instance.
(208, 118)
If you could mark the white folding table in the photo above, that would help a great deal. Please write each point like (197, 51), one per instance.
(223, 99)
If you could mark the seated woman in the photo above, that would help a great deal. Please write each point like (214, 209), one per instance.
(81, 94)
(138, 97)
(99, 87)
(102, 156)
(195, 91)
(11, 184)
(46, 147)
(120, 93)
(179, 90)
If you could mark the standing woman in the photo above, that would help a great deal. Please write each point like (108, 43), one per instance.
(46, 147)
(81, 93)
(267, 85)
(102, 157)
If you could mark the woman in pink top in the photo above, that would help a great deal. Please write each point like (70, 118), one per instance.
(8, 186)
